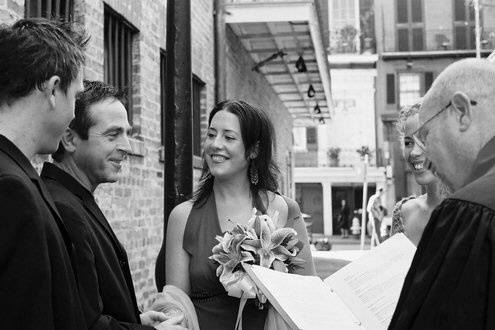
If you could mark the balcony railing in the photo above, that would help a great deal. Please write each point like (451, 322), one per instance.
(347, 158)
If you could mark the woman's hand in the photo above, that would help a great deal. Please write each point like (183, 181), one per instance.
(172, 324)
(152, 318)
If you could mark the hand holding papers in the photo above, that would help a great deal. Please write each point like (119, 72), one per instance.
(362, 295)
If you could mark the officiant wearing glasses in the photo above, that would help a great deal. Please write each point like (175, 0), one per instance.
(239, 173)
(91, 152)
(451, 282)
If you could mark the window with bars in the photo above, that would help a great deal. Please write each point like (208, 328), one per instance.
(198, 90)
(118, 37)
(410, 25)
(464, 26)
(51, 9)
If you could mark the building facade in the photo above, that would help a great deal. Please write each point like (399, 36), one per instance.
(128, 49)
(329, 167)
(416, 40)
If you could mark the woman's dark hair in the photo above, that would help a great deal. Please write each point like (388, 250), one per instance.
(257, 132)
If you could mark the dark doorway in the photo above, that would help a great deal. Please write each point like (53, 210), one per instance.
(353, 194)
(310, 199)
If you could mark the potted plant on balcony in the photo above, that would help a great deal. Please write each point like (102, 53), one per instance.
(363, 151)
(333, 155)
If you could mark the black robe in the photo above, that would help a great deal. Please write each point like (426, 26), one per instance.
(451, 282)
(106, 289)
(38, 289)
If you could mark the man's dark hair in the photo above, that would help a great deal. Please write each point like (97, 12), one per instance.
(94, 92)
(35, 49)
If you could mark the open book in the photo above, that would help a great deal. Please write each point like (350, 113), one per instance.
(361, 295)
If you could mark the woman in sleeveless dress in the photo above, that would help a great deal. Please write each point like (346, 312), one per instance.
(238, 174)
(411, 214)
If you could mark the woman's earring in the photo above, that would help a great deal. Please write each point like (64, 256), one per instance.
(253, 174)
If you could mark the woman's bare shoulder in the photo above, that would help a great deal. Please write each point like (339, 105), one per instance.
(180, 213)
(412, 207)
(276, 201)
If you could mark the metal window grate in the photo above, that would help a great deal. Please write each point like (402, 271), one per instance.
(51, 9)
(118, 37)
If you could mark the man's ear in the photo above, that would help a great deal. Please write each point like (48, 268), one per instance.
(461, 104)
(49, 88)
(69, 140)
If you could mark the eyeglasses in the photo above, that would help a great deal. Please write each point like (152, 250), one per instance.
(421, 133)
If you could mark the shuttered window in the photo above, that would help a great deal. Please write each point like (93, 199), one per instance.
(410, 25)
(51, 9)
(409, 88)
(390, 88)
(118, 36)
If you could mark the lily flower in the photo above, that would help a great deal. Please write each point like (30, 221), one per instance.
(228, 254)
(269, 245)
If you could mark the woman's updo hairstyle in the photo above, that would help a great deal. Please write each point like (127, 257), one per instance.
(404, 114)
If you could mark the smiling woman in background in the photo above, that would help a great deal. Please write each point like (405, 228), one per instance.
(238, 174)
(412, 213)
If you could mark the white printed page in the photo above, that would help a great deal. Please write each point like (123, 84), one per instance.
(304, 302)
(371, 285)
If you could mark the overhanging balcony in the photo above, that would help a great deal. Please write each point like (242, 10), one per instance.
(277, 34)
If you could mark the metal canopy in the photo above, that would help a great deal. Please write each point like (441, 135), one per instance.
(268, 29)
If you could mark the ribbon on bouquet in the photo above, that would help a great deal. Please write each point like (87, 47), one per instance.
(238, 322)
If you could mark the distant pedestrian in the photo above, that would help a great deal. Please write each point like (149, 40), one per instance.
(343, 219)
(374, 216)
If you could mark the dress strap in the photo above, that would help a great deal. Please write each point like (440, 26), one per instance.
(397, 218)
(258, 204)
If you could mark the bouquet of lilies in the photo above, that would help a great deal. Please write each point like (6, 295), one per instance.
(259, 243)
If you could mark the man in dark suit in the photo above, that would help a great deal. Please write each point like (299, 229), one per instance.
(92, 151)
(40, 74)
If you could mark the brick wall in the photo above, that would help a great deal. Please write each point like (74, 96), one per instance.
(134, 205)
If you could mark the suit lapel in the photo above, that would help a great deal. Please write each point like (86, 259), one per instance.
(93, 208)
(11, 151)
(48, 200)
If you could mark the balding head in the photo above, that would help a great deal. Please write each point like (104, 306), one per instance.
(474, 77)
(458, 118)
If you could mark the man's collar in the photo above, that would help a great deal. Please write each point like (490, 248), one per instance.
(484, 162)
(52, 171)
(9, 148)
